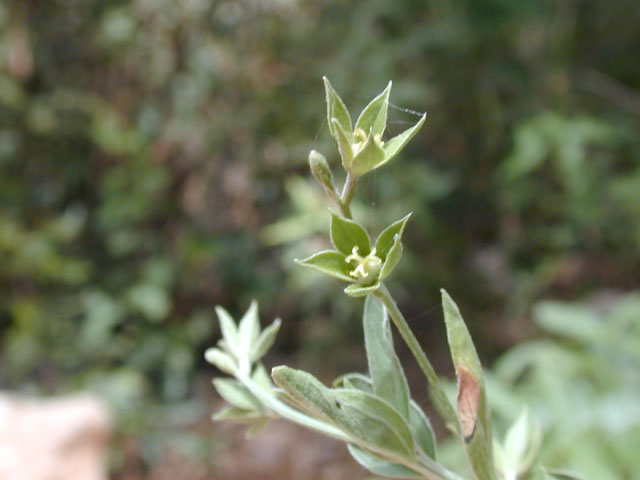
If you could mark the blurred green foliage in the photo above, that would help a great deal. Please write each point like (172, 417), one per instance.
(150, 150)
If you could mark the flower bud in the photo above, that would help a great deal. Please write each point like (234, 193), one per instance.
(321, 171)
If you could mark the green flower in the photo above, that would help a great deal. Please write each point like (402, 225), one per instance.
(361, 146)
(354, 260)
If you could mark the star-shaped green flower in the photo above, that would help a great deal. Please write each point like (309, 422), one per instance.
(361, 146)
(354, 260)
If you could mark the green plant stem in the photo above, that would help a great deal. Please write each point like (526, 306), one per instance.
(348, 191)
(440, 399)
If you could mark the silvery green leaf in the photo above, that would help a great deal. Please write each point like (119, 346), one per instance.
(393, 257)
(229, 331)
(236, 394)
(387, 238)
(307, 391)
(370, 156)
(265, 341)
(374, 116)
(518, 437)
(237, 414)
(249, 327)
(473, 411)
(261, 377)
(347, 234)
(374, 421)
(344, 142)
(500, 458)
(336, 109)
(358, 290)
(395, 145)
(221, 360)
(389, 381)
(380, 466)
(422, 430)
(354, 381)
(370, 421)
(330, 262)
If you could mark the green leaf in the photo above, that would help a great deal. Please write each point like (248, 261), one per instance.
(389, 381)
(422, 430)
(229, 331)
(249, 327)
(330, 262)
(261, 378)
(354, 381)
(346, 234)
(236, 394)
(358, 290)
(387, 238)
(237, 414)
(394, 146)
(370, 156)
(221, 360)
(344, 142)
(374, 116)
(473, 411)
(265, 341)
(374, 421)
(517, 439)
(393, 257)
(336, 109)
(380, 466)
(370, 421)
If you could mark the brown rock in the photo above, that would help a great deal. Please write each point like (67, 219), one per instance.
(61, 438)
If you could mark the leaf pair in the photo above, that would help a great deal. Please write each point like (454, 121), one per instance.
(353, 259)
(361, 147)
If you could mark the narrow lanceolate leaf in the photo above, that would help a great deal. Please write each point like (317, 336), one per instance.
(222, 360)
(229, 331)
(397, 143)
(249, 327)
(354, 381)
(473, 411)
(265, 341)
(344, 140)
(422, 430)
(330, 262)
(370, 156)
(336, 109)
(374, 116)
(375, 422)
(237, 414)
(358, 291)
(393, 257)
(386, 239)
(236, 394)
(380, 466)
(389, 381)
(346, 234)
(371, 422)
